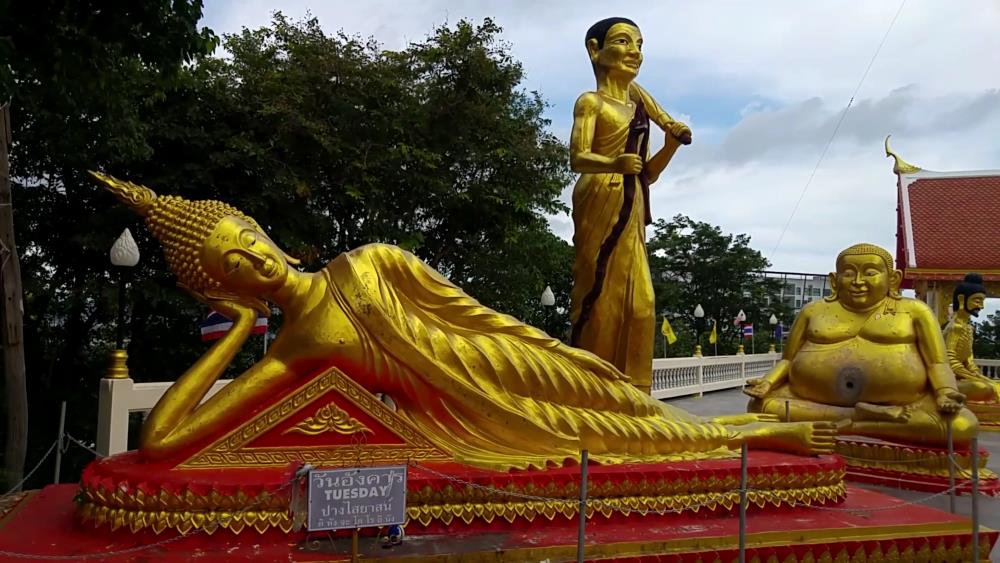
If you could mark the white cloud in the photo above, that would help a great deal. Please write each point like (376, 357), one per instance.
(763, 86)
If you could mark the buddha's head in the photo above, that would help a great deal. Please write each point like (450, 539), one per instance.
(213, 248)
(615, 47)
(864, 277)
(970, 295)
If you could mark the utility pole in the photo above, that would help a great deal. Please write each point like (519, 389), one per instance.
(13, 312)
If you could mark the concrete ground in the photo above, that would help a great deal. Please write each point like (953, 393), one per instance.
(734, 401)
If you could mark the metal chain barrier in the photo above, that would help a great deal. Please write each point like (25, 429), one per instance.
(16, 487)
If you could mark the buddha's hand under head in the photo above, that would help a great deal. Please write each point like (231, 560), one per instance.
(679, 133)
(950, 401)
(230, 305)
(757, 387)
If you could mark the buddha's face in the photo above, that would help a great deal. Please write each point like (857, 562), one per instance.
(975, 303)
(242, 259)
(864, 280)
(621, 53)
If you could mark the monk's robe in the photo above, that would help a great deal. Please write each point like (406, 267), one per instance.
(487, 388)
(612, 303)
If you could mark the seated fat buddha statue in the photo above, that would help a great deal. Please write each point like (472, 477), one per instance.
(967, 301)
(869, 359)
(488, 389)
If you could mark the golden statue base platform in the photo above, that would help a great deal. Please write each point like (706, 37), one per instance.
(915, 468)
(988, 415)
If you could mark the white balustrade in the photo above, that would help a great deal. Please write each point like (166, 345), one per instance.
(676, 377)
(990, 368)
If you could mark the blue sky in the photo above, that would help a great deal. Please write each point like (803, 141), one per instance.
(762, 84)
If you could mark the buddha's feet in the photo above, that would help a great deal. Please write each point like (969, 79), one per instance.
(803, 438)
(881, 413)
(745, 418)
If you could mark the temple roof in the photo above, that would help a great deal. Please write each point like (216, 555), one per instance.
(947, 222)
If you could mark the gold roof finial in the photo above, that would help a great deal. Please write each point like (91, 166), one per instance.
(901, 166)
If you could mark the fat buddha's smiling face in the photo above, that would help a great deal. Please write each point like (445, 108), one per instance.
(622, 51)
(242, 259)
(863, 281)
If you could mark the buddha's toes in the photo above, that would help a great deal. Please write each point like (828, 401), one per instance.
(806, 438)
(884, 413)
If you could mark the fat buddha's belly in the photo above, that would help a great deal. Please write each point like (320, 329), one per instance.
(859, 370)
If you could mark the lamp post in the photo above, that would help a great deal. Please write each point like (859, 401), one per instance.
(548, 301)
(124, 255)
(741, 319)
(699, 322)
(774, 323)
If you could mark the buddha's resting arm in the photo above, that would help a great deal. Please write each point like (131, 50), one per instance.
(933, 351)
(779, 373)
(183, 397)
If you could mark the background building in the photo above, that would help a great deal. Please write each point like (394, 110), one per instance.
(944, 229)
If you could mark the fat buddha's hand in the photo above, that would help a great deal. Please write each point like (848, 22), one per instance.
(950, 401)
(758, 387)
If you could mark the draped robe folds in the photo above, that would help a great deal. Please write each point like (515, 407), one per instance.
(621, 320)
(491, 390)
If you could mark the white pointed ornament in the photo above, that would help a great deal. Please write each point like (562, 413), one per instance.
(125, 252)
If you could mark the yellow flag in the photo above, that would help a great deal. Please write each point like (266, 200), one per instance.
(714, 337)
(668, 332)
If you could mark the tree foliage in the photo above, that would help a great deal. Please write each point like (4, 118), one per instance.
(695, 263)
(328, 140)
(986, 344)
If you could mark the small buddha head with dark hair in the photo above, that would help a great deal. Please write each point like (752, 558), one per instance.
(615, 46)
(969, 295)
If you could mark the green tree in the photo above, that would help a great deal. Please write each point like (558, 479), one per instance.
(77, 77)
(987, 339)
(694, 263)
(329, 141)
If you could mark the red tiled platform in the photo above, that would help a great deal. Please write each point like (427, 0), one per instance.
(44, 524)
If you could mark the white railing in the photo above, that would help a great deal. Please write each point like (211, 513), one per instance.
(672, 377)
(118, 398)
(990, 368)
(676, 377)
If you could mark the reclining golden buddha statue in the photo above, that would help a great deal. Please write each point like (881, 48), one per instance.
(487, 389)
(869, 359)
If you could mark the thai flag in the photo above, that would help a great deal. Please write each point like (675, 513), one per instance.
(216, 325)
(748, 331)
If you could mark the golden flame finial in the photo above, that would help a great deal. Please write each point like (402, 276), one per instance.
(901, 166)
(139, 198)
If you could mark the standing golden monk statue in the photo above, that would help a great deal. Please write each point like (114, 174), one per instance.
(967, 301)
(612, 304)
(482, 386)
(868, 358)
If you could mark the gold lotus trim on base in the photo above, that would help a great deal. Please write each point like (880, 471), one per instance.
(988, 415)
(903, 459)
(186, 511)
